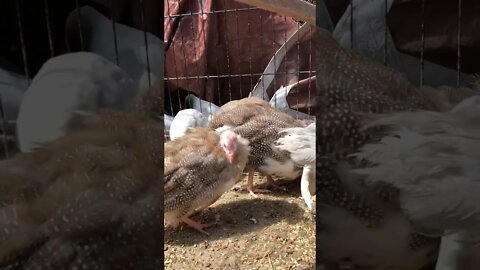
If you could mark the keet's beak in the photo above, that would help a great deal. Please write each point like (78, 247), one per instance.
(231, 158)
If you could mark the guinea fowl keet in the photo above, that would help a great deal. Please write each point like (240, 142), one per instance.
(199, 168)
(255, 120)
(205, 107)
(184, 120)
(349, 84)
(91, 199)
(433, 159)
(300, 144)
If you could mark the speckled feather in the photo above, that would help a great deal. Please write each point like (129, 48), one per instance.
(192, 164)
(427, 155)
(349, 84)
(197, 170)
(255, 120)
(237, 112)
(92, 199)
(300, 143)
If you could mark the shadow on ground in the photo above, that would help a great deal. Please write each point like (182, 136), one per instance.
(273, 231)
(239, 217)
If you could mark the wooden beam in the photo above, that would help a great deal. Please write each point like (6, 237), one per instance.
(298, 9)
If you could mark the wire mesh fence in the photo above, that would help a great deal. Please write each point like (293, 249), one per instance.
(424, 45)
(428, 43)
(55, 29)
(220, 51)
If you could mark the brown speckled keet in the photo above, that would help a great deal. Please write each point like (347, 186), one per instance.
(86, 199)
(348, 86)
(255, 120)
(198, 171)
(349, 83)
(92, 199)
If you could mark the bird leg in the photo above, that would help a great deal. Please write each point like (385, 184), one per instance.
(197, 225)
(305, 187)
(251, 189)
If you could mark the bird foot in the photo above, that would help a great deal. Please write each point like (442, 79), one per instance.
(252, 191)
(197, 225)
(309, 202)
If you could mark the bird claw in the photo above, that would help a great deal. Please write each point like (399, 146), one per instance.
(197, 225)
(309, 204)
(253, 190)
(257, 190)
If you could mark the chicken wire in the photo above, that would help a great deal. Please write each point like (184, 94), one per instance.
(221, 84)
(352, 10)
(354, 37)
(8, 142)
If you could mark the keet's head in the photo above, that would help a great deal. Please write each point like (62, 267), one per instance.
(229, 143)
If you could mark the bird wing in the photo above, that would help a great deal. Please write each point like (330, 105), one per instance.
(355, 75)
(193, 167)
(261, 131)
(82, 187)
(300, 143)
(437, 172)
(237, 112)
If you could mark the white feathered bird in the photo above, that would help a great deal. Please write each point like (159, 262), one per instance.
(433, 159)
(67, 83)
(184, 120)
(167, 120)
(279, 101)
(205, 107)
(300, 143)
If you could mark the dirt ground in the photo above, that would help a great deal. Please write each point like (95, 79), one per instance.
(271, 232)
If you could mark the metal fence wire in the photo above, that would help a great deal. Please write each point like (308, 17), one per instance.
(219, 51)
(425, 8)
(216, 75)
(53, 20)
